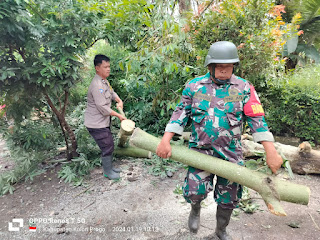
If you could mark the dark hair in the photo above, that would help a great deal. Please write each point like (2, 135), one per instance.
(99, 58)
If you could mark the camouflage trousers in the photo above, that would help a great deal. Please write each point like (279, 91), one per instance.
(199, 183)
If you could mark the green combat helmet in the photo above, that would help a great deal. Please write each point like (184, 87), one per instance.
(222, 52)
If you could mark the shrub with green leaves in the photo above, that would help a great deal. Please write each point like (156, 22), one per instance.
(35, 135)
(255, 27)
(294, 109)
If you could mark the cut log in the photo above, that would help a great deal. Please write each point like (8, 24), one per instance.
(126, 128)
(303, 159)
(271, 188)
(133, 152)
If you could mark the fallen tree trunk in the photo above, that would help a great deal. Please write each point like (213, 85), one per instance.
(133, 152)
(303, 159)
(126, 129)
(270, 188)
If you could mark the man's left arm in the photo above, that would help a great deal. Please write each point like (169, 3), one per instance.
(260, 131)
(116, 98)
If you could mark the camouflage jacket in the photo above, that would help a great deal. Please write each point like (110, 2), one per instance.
(217, 113)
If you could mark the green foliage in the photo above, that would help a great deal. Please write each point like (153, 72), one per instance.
(294, 108)
(26, 167)
(41, 42)
(178, 190)
(252, 27)
(258, 165)
(246, 203)
(157, 72)
(30, 143)
(131, 21)
(159, 167)
(310, 13)
(35, 135)
(75, 171)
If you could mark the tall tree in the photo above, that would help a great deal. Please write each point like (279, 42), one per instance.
(40, 44)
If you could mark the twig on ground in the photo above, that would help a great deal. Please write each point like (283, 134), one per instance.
(82, 191)
(314, 222)
(86, 206)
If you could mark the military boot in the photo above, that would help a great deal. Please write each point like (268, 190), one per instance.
(223, 219)
(107, 168)
(194, 218)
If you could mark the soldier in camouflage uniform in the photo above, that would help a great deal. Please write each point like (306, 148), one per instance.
(218, 103)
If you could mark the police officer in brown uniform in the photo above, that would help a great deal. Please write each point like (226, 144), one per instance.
(97, 117)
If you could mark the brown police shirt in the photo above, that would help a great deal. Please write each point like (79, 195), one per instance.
(99, 99)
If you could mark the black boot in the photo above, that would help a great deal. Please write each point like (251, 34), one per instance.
(107, 168)
(194, 218)
(223, 219)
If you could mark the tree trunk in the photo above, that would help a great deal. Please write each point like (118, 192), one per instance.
(126, 128)
(133, 152)
(269, 187)
(303, 159)
(66, 130)
(184, 6)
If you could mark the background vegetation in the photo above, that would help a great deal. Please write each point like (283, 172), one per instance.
(47, 49)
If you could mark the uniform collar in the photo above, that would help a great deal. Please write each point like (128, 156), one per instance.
(233, 79)
(206, 79)
(98, 77)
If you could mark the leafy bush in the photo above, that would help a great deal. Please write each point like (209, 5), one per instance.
(26, 167)
(294, 108)
(255, 27)
(35, 135)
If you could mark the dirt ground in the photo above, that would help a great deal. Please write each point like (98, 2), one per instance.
(139, 206)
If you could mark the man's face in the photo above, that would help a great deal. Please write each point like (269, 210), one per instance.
(223, 71)
(103, 70)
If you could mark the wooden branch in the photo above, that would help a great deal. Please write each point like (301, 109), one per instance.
(65, 103)
(269, 187)
(121, 111)
(133, 152)
(54, 109)
(206, 8)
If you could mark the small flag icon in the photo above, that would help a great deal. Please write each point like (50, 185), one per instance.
(32, 228)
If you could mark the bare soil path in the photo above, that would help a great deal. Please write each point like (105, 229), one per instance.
(140, 206)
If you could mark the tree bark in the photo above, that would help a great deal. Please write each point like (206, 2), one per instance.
(303, 159)
(66, 129)
(184, 5)
(269, 187)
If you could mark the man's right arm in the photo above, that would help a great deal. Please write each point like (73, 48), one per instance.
(164, 147)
